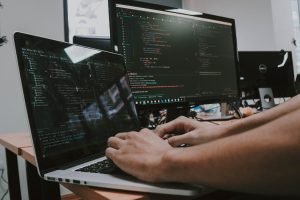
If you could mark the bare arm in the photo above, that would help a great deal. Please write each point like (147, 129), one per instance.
(264, 117)
(263, 160)
(193, 133)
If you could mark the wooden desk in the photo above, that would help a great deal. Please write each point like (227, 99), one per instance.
(15, 141)
(20, 145)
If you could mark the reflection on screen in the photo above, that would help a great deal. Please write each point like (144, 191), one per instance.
(76, 104)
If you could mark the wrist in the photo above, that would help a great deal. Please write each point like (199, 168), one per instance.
(169, 166)
(224, 130)
(237, 126)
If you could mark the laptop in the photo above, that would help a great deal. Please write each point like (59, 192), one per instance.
(76, 98)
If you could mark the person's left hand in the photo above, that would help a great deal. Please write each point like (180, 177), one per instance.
(139, 154)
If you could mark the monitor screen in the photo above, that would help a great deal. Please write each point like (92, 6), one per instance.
(174, 58)
(271, 69)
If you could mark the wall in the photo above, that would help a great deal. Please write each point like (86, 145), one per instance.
(283, 27)
(254, 23)
(39, 17)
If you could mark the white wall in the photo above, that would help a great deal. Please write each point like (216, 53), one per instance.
(254, 22)
(283, 24)
(283, 27)
(40, 17)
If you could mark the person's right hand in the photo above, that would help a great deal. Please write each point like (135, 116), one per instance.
(189, 131)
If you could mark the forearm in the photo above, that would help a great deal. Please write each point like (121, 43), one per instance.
(259, 119)
(264, 160)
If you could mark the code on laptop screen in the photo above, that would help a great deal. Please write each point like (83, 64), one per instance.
(78, 98)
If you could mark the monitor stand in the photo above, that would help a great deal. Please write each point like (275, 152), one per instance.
(266, 98)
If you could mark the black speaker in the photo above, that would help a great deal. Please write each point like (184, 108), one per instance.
(103, 43)
(297, 84)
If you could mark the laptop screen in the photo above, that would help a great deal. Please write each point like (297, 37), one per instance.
(76, 98)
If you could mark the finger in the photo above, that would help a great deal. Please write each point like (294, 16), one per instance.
(123, 136)
(176, 141)
(176, 126)
(146, 130)
(111, 153)
(190, 138)
(115, 142)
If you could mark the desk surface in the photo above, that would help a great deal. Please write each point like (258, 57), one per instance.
(15, 141)
(20, 144)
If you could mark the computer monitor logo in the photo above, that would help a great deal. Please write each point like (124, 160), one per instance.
(263, 68)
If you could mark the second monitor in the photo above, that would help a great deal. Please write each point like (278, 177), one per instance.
(266, 69)
(175, 58)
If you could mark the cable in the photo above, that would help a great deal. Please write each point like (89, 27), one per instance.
(2, 178)
(236, 110)
(6, 192)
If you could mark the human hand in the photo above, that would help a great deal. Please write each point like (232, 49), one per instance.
(139, 154)
(189, 131)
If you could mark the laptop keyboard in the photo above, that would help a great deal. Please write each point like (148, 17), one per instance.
(104, 167)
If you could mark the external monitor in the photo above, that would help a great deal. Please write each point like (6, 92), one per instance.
(102, 43)
(174, 56)
(266, 69)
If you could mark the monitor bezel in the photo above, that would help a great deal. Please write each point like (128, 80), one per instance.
(196, 101)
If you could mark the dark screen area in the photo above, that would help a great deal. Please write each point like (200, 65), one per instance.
(172, 3)
(173, 58)
(76, 98)
(259, 69)
(102, 43)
